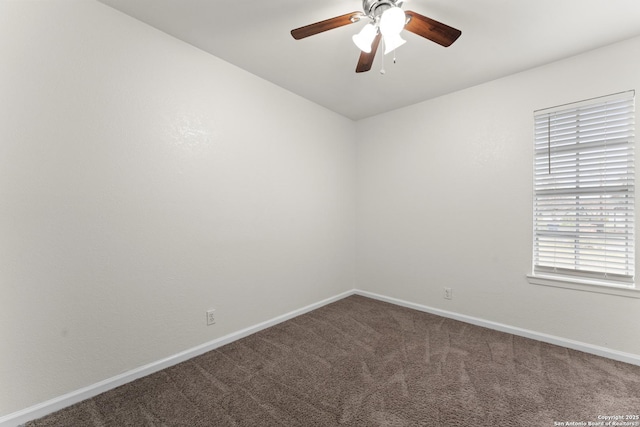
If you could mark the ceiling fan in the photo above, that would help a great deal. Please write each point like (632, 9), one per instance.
(386, 21)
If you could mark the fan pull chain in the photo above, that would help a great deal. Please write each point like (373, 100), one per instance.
(382, 71)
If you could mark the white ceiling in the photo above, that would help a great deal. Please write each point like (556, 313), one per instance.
(499, 37)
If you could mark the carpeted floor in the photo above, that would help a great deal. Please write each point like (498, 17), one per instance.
(362, 362)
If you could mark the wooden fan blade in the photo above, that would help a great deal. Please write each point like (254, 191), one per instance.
(327, 24)
(366, 59)
(431, 29)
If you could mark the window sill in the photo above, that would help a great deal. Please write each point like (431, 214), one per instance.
(584, 285)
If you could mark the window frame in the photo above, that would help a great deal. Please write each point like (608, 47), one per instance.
(575, 278)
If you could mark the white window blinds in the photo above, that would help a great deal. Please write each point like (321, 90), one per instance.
(584, 190)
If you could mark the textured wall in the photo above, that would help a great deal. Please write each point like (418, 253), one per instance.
(445, 200)
(142, 182)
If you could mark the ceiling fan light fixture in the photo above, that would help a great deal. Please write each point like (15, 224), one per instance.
(387, 21)
(365, 37)
(392, 21)
(392, 42)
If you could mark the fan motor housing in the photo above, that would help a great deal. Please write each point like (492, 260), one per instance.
(374, 8)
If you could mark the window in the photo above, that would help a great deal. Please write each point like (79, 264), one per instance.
(584, 192)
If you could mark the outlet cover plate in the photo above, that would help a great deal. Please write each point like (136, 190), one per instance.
(211, 317)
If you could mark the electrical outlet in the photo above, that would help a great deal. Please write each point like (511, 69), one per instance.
(211, 317)
(448, 293)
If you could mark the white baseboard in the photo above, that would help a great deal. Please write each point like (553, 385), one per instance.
(45, 408)
(631, 358)
(50, 406)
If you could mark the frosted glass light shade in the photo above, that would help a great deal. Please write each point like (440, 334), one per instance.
(392, 42)
(392, 21)
(365, 37)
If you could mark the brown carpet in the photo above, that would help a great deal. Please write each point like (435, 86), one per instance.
(362, 362)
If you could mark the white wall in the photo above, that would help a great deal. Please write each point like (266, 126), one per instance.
(142, 182)
(445, 200)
